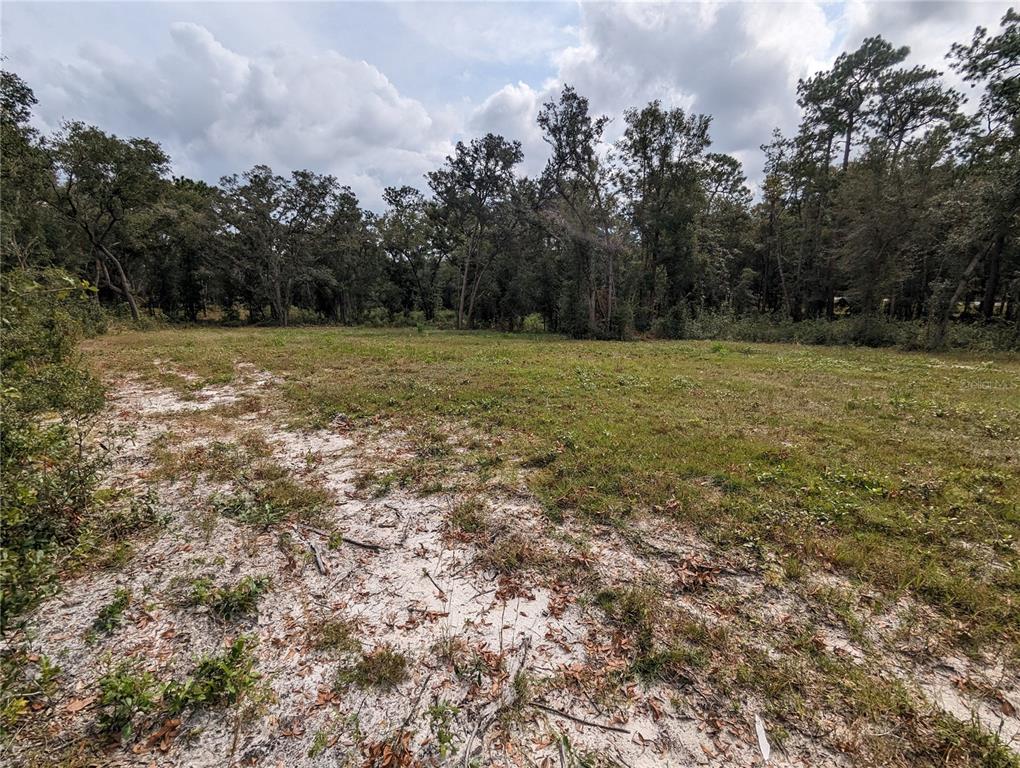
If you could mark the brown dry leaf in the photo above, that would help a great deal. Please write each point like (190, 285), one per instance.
(656, 707)
(1006, 706)
(292, 727)
(165, 735)
(77, 705)
(325, 697)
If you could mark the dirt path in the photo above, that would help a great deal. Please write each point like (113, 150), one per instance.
(507, 658)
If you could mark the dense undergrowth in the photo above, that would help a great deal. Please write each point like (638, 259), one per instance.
(853, 331)
(50, 406)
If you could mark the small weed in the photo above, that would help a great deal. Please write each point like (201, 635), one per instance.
(429, 442)
(293, 498)
(112, 614)
(247, 509)
(319, 743)
(540, 460)
(510, 553)
(337, 634)
(469, 515)
(26, 683)
(140, 514)
(382, 668)
(217, 680)
(271, 501)
(226, 603)
(673, 664)
(441, 717)
(123, 694)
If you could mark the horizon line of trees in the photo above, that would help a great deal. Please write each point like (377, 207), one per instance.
(889, 202)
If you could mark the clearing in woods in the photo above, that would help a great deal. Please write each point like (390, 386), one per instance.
(385, 547)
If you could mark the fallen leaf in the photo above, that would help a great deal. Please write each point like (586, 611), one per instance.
(763, 741)
(77, 705)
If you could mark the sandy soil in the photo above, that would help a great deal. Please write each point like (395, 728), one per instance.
(405, 579)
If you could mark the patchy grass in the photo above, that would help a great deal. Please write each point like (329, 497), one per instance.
(335, 634)
(469, 515)
(833, 457)
(383, 668)
(270, 497)
(112, 614)
(228, 603)
(217, 459)
(218, 680)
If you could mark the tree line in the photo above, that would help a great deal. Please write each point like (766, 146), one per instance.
(888, 204)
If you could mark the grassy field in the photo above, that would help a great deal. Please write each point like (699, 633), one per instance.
(899, 471)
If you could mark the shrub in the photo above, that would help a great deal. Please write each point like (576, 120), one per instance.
(218, 679)
(123, 693)
(49, 405)
(226, 603)
(382, 668)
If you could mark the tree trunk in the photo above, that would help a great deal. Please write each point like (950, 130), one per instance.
(846, 145)
(278, 308)
(125, 285)
(992, 277)
(463, 289)
(961, 290)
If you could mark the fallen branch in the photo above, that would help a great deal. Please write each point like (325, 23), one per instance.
(579, 720)
(345, 539)
(318, 560)
(428, 576)
(427, 612)
(362, 544)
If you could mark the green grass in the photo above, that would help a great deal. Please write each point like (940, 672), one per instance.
(897, 469)
(227, 603)
(382, 668)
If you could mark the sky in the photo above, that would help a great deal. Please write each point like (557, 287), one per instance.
(378, 93)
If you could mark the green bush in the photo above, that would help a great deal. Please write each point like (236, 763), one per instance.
(124, 693)
(218, 680)
(847, 331)
(227, 603)
(49, 405)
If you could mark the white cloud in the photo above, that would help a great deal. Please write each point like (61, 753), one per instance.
(511, 112)
(738, 62)
(218, 111)
(219, 100)
(496, 32)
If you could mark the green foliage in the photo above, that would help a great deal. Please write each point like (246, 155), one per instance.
(26, 679)
(111, 614)
(124, 694)
(228, 603)
(218, 680)
(441, 717)
(49, 406)
(382, 668)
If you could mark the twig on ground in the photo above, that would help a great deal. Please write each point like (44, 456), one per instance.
(362, 544)
(578, 720)
(428, 576)
(318, 560)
